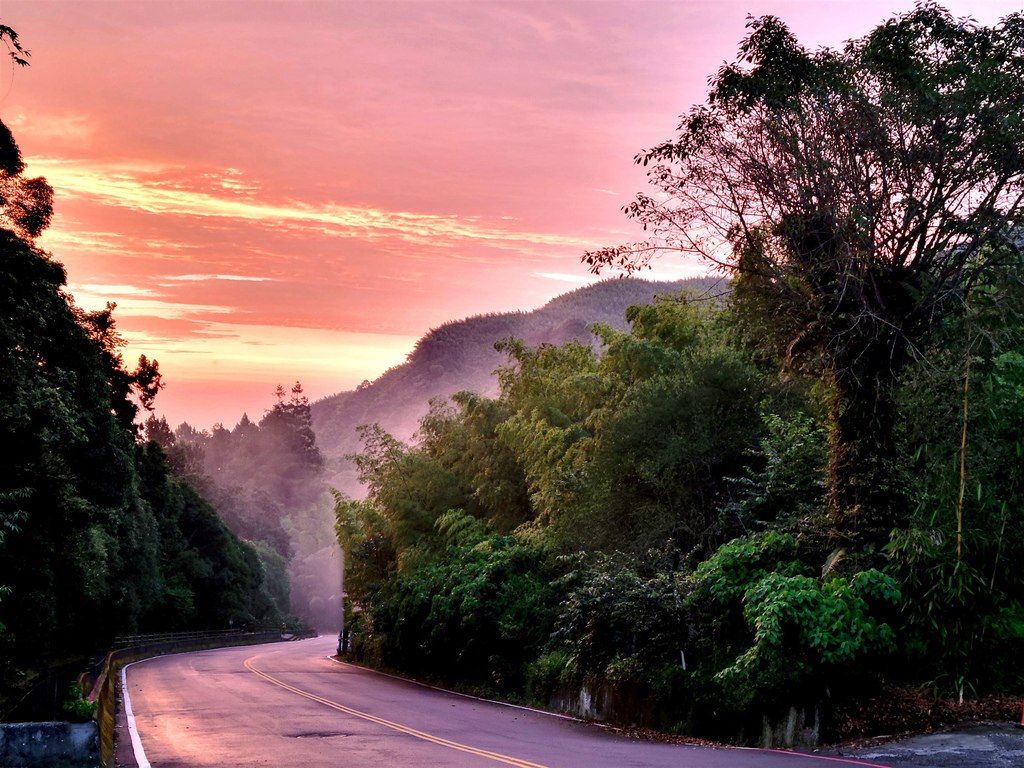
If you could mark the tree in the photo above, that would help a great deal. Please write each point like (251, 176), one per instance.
(855, 195)
(144, 383)
(26, 205)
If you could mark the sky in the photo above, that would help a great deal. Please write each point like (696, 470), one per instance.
(292, 191)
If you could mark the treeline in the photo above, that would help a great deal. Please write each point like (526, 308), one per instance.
(98, 536)
(266, 480)
(613, 509)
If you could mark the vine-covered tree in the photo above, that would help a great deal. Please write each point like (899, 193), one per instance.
(855, 195)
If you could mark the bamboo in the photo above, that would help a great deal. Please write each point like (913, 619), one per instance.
(963, 455)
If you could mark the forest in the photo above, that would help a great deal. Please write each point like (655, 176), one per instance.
(804, 492)
(460, 355)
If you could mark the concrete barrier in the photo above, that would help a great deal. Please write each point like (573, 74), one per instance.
(57, 745)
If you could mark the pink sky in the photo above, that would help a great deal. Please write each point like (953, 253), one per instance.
(273, 191)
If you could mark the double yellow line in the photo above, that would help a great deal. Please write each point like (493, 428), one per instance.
(497, 756)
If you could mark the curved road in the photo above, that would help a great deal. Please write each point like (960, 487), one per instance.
(289, 704)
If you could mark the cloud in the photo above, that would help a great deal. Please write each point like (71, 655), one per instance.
(69, 131)
(578, 279)
(196, 278)
(222, 196)
(137, 300)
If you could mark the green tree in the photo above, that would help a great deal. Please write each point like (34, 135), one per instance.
(81, 551)
(26, 205)
(211, 579)
(855, 194)
(473, 612)
(142, 384)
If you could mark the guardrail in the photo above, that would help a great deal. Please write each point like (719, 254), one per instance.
(138, 647)
(130, 641)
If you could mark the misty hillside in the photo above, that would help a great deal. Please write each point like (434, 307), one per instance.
(460, 355)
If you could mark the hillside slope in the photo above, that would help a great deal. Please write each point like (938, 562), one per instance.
(460, 355)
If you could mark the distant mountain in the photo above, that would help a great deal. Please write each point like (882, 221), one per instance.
(460, 355)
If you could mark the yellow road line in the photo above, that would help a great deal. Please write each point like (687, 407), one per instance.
(497, 756)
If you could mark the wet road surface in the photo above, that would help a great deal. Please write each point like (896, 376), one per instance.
(288, 704)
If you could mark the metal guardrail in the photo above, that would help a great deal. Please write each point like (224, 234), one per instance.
(131, 641)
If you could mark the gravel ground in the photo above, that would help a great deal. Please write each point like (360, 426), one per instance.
(992, 745)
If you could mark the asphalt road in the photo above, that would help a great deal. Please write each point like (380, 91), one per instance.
(289, 704)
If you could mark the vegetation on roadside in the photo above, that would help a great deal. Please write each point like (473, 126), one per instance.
(788, 497)
(97, 536)
(266, 481)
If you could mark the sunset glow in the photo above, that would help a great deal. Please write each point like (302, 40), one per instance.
(281, 191)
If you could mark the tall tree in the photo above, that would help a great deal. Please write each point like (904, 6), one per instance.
(855, 195)
(26, 205)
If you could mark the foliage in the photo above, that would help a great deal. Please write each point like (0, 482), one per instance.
(266, 480)
(77, 707)
(960, 558)
(143, 383)
(613, 459)
(473, 613)
(668, 492)
(611, 614)
(727, 574)
(26, 205)
(213, 579)
(855, 194)
(799, 630)
(828, 622)
(459, 356)
(95, 538)
(76, 534)
(789, 484)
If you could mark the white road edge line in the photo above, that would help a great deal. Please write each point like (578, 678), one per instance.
(475, 698)
(140, 753)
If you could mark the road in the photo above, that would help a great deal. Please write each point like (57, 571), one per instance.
(289, 704)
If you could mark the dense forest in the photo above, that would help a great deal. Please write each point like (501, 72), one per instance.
(802, 493)
(98, 535)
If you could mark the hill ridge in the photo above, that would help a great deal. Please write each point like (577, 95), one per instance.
(459, 355)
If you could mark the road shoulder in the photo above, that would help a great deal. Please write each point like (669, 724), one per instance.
(989, 745)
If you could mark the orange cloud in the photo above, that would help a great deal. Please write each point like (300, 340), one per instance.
(223, 195)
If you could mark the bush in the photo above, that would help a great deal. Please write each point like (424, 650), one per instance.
(796, 631)
(551, 672)
(611, 613)
(472, 614)
(76, 706)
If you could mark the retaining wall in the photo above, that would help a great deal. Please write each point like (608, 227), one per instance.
(56, 745)
(635, 704)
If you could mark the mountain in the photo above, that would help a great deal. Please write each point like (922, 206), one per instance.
(460, 355)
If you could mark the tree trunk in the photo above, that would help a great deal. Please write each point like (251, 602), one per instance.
(865, 494)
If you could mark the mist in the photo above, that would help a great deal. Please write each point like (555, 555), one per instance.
(267, 481)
